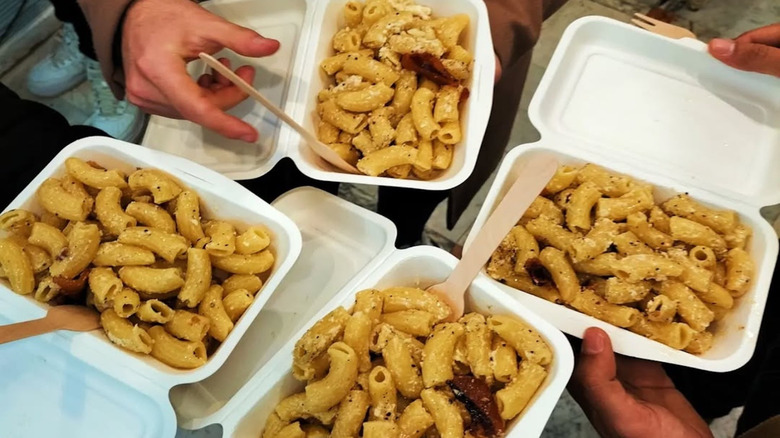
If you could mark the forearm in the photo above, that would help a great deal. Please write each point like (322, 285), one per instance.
(104, 18)
(516, 26)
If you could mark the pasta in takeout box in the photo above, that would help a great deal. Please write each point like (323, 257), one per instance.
(392, 367)
(166, 281)
(400, 77)
(598, 242)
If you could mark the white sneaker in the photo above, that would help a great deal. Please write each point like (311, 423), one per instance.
(59, 71)
(117, 118)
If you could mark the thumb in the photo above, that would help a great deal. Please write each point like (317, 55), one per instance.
(748, 56)
(596, 387)
(243, 41)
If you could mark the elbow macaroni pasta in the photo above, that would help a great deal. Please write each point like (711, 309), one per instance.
(602, 244)
(149, 275)
(383, 96)
(358, 372)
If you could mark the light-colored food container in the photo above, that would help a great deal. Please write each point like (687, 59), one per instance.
(419, 267)
(292, 78)
(96, 378)
(662, 111)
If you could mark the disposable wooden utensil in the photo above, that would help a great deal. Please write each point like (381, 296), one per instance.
(73, 318)
(534, 176)
(661, 28)
(317, 146)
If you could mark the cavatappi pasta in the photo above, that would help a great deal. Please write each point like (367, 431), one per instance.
(136, 248)
(392, 367)
(400, 79)
(598, 242)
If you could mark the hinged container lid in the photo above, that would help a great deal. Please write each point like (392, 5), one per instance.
(664, 105)
(235, 159)
(48, 392)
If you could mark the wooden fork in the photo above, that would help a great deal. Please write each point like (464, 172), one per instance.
(661, 28)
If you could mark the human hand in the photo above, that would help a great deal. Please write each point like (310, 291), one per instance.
(159, 37)
(630, 398)
(757, 50)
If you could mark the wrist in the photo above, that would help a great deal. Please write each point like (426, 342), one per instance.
(116, 44)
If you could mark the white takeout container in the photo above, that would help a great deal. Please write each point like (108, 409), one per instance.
(92, 372)
(292, 78)
(665, 112)
(419, 267)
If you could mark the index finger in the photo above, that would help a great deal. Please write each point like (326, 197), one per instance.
(768, 35)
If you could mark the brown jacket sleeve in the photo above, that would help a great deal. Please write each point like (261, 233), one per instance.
(516, 25)
(104, 18)
(769, 428)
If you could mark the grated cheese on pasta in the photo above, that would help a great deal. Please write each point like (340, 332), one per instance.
(423, 12)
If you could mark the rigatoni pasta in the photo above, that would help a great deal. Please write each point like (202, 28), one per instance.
(364, 371)
(400, 81)
(601, 244)
(110, 240)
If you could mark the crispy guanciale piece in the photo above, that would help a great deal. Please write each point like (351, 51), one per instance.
(72, 287)
(428, 66)
(475, 394)
(538, 273)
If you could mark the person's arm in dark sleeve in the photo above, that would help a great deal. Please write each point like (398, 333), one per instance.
(516, 25)
(31, 135)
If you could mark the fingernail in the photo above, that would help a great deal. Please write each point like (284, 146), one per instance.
(592, 342)
(263, 42)
(249, 138)
(722, 47)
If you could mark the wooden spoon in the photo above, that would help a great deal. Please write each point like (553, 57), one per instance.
(535, 173)
(317, 146)
(73, 318)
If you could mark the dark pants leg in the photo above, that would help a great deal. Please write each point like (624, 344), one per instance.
(715, 394)
(763, 397)
(282, 178)
(409, 210)
(31, 134)
(68, 11)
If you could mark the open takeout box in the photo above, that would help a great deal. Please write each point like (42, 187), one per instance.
(345, 249)
(92, 379)
(665, 112)
(292, 78)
